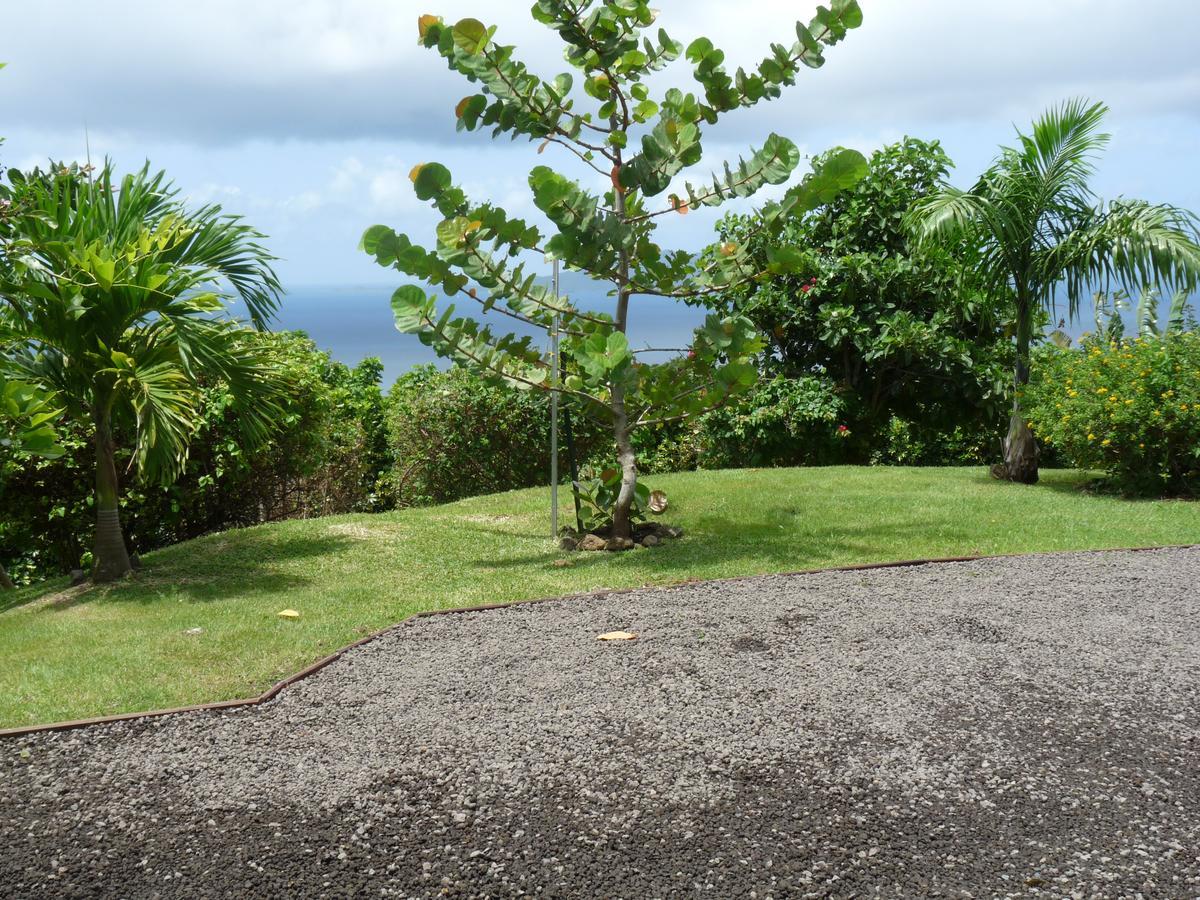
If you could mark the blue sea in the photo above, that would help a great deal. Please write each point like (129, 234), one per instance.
(352, 323)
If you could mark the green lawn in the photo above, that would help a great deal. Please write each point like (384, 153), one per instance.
(70, 654)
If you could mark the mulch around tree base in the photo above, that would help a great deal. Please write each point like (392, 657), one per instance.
(1014, 727)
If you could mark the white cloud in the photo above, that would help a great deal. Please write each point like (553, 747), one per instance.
(226, 71)
(307, 115)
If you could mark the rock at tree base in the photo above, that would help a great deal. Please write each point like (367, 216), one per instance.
(645, 534)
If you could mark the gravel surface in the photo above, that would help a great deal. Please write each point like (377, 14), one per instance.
(1017, 727)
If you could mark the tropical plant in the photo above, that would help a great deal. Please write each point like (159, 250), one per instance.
(113, 290)
(27, 417)
(1039, 228)
(326, 451)
(896, 329)
(1130, 408)
(638, 147)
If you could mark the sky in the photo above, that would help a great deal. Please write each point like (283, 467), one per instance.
(306, 116)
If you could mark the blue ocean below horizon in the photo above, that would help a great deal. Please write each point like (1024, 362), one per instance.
(353, 323)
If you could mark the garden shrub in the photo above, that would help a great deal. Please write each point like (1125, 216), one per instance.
(782, 422)
(901, 330)
(324, 457)
(454, 434)
(907, 443)
(808, 421)
(1129, 408)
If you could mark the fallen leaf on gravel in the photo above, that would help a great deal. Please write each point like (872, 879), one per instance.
(617, 636)
(288, 614)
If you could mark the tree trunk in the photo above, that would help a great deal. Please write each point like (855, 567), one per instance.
(6, 583)
(111, 557)
(622, 523)
(1020, 446)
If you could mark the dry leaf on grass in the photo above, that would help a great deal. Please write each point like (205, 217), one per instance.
(288, 614)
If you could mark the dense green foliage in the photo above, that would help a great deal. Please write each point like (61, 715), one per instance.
(1036, 228)
(1130, 408)
(875, 329)
(640, 146)
(112, 287)
(804, 422)
(782, 422)
(27, 419)
(453, 434)
(327, 446)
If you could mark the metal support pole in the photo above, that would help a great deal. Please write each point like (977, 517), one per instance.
(555, 382)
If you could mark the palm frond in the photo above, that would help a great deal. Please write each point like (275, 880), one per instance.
(1133, 244)
(120, 292)
(1177, 317)
(1063, 146)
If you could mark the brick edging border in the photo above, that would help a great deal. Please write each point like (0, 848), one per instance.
(272, 692)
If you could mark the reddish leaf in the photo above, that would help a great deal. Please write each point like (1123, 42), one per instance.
(425, 22)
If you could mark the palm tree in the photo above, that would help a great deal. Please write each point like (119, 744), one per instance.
(113, 294)
(1039, 228)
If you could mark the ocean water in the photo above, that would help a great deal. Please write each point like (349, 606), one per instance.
(352, 323)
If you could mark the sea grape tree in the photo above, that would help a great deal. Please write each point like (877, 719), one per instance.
(634, 150)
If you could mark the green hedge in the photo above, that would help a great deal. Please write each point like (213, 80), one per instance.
(453, 435)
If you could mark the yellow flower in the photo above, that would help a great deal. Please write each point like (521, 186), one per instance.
(1101, 390)
(1143, 446)
(1183, 406)
(1072, 393)
(1105, 442)
(1129, 403)
(1091, 437)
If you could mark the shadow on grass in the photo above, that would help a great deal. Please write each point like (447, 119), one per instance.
(255, 561)
(715, 541)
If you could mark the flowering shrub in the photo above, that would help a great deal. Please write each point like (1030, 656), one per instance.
(1130, 408)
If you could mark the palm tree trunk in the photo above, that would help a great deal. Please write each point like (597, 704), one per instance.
(6, 583)
(111, 557)
(1020, 447)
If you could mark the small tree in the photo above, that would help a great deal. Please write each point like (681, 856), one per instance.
(635, 147)
(1040, 227)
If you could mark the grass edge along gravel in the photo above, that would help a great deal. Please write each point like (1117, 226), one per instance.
(199, 624)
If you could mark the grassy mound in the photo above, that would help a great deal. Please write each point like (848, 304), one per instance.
(91, 652)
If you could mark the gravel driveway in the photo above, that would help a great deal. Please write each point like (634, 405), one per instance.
(1017, 727)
